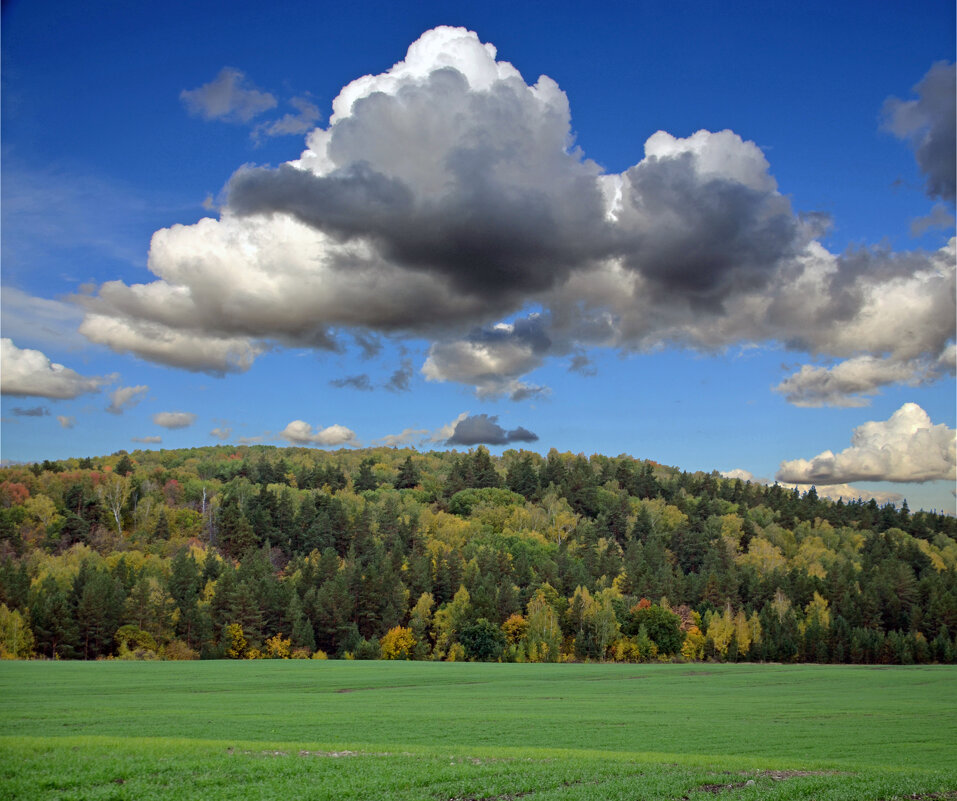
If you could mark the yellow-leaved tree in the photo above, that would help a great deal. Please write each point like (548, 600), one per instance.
(234, 641)
(742, 633)
(721, 630)
(693, 646)
(16, 637)
(397, 643)
(277, 647)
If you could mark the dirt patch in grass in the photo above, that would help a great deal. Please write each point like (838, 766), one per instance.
(931, 796)
(782, 775)
(325, 754)
(774, 775)
(714, 789)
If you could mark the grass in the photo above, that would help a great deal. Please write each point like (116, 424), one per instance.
(439, 731)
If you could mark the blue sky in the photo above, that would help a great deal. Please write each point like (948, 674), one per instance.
(766, 286)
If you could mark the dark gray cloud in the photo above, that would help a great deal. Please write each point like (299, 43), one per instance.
(401, 379)
(483, 429)
(370, 344)
(580, 363)
(703, 236)
(500, 227)
(928, 123)
(528, 392)
(33, 411)
(360, 382)
(531, 331)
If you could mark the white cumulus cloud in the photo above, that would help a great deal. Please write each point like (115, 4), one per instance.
(299, 432)
(446, 195)
(26, 372)
(174, 419)
(906, 448)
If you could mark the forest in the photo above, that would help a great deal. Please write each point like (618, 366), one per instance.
(263, 552)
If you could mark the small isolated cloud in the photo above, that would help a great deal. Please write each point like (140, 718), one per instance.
(484, 429)
(221, 434)
(33, 411)
(126, 398)
(401, 379)
(939, 218)
(299, 432)
(66, 421)
(306, 116)
(581, 363)
(905, 448)
(25, 372)
(744, 475)
(522, 391)
(147, 440)
(228, 97)
(360, 382)
(174, 419)
(928, 123)
(845, 384)
(407, 436)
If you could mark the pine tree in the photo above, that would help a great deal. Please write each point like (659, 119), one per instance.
(365, 479)
(408, 477)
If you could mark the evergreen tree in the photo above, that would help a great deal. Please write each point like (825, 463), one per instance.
(161, 532)
(522, 478)
(365, 479)
(408, 477)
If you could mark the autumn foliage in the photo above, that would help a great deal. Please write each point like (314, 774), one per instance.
(259, 552)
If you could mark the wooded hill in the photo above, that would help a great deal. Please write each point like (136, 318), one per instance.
(384, 553)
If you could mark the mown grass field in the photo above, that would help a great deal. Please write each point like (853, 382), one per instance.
(439, 731)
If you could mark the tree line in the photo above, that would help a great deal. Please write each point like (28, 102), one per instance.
(255, 551)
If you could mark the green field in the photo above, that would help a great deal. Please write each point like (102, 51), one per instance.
(413, 730)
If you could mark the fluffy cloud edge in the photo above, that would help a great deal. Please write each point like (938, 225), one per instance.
(906, 448)
(25, 372)
(174, 419)
(299, 432)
